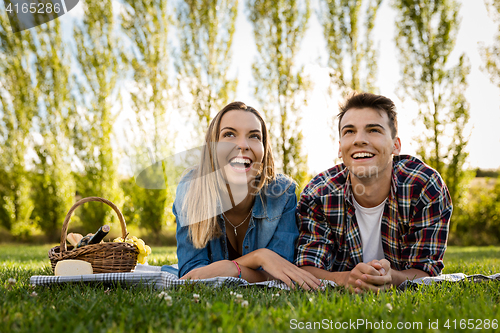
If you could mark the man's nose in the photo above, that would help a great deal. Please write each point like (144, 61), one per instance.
(360, 138)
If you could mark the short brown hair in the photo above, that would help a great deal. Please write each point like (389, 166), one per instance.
(360, 100)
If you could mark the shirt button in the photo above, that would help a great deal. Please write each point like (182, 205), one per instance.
(246, 247)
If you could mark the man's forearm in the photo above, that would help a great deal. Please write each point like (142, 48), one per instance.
(399, 277)
(339, 278)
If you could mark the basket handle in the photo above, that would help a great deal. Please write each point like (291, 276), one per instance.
(64, 231)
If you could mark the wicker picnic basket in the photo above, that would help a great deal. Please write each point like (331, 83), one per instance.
(106, 257)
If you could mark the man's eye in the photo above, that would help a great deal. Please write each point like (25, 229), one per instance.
(374, 130)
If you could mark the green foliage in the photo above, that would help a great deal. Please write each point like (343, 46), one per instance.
(205, 30)
(18, 106)
(92, 122)
(426, 37)
(148, 31)
(491, 173)
(145, 208)
(479, 220)
(491, 54)
(52, 179)
(350, 42)
(281, 88)
(115, 308)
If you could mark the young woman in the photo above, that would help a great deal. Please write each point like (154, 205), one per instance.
(235, 216)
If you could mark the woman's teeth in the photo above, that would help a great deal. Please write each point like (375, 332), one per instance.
(240, 163)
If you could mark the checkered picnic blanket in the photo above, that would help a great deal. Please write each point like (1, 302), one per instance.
(152, 275)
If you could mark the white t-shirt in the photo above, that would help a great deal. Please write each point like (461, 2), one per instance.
(370, 222)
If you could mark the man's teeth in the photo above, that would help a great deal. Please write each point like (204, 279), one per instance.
(362, 155)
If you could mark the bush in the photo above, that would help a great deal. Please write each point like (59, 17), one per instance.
(477, 220)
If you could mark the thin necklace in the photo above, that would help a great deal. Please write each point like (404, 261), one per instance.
(232, 225)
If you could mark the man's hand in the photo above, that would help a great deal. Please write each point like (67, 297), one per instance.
(374, 276)
(375, 282)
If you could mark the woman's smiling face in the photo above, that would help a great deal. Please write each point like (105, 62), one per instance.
(240, 150)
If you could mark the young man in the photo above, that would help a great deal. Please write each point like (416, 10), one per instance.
(379, 218)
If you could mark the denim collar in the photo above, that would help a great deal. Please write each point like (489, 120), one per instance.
(259, 209)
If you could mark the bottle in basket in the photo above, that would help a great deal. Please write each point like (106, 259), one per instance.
(96, 238)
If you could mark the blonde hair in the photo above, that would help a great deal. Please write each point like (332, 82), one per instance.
(204, 194)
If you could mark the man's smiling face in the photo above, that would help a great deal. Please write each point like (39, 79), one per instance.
(366, 143)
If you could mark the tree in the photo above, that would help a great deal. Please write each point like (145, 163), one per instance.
(92, 122)
(18, 105)
(491, 54)
(352, 55)
(281, 88)
(146, 24)
(205, 30)
(426, 37)
(52, 179)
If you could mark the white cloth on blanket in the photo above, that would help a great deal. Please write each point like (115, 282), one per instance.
(152, 275)
(455, 277)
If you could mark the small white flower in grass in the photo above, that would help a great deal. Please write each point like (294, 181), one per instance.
(275, 295)
(244, 304)
(232, 293)
(11, 281)
(388, 306)
(162, 294)
(34, 294)
(196, 298)
(239, 296)
(311, 299)
(168, 298)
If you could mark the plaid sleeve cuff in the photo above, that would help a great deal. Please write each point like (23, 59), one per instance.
(433, 268)
(311, 253)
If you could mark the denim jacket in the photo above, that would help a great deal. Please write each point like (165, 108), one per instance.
(273, 225)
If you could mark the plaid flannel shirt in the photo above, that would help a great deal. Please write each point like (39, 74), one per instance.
(414, 224)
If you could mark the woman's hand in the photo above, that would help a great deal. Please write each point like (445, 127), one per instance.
(281, 269)
(218, 268)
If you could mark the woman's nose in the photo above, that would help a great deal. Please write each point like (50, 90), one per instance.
(243, 143)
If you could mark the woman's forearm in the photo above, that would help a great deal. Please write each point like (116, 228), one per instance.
(250, 264)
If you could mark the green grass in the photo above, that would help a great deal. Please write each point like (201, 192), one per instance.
(86, 308)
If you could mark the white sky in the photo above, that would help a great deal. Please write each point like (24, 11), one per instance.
(483, 96)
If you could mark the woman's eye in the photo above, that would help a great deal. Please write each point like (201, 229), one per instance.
(227, 134)
(256, 136)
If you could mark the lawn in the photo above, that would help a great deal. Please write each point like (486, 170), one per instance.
(97, 308)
